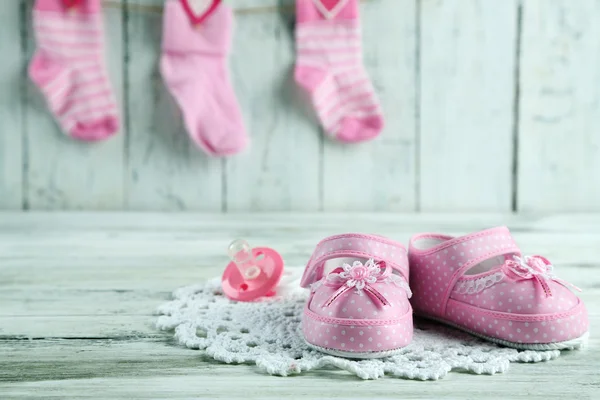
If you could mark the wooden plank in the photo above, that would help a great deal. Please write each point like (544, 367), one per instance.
(51, 225)
(64, 173)
(559, 144)
(151, 368)
(134, 250)
(87, 358)
(467, 79)
(280, 171)
(11, 107)
(380, 175)
(194, 237)
(165, 170)
(117, 327)
(87, 300)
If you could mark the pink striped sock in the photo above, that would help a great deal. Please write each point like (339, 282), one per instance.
(68, 67)
(329, 66)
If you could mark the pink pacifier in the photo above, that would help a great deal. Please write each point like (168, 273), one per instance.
(252, 273)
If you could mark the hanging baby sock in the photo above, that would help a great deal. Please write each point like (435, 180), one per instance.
(329, 67)
(196, 42)
(68, 67)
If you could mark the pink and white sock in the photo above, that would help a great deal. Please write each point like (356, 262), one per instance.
(329, 67)
(194, 68)
(69, 68)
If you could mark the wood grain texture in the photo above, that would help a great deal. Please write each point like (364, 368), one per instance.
(444, 70)
(165, 170)
(11, 106)
(280, 171)
(77, 294)
(467, 80)
(381, 174)
(155, 368)
(65, 173)
(559, 140)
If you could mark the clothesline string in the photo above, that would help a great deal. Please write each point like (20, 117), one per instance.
(156, 9)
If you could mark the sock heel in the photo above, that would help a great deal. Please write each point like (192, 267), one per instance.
(309, 77)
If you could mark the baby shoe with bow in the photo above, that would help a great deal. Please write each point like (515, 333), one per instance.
(482, 284)
(358, 305)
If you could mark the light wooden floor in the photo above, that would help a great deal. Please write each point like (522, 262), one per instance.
(77, 294)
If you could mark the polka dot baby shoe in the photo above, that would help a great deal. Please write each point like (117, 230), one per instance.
(358, 305)
(481, 283)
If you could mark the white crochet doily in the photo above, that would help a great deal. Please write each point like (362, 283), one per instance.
(268, 334)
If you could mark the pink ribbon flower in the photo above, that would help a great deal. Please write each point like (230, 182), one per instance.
(361, 277)
(533, 267)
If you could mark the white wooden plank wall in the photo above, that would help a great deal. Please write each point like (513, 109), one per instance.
(490, 106)
(559, 117)
(11, 102)
(467, 79)
(281, 169)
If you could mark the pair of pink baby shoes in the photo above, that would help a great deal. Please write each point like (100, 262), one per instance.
(359, 303)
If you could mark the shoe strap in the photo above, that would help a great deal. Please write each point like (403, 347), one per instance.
(358, 246)
(463, 253)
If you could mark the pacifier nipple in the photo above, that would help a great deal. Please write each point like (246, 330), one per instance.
(240, 253)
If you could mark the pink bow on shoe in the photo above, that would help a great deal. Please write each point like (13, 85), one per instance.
(362, 277)
(533, 267)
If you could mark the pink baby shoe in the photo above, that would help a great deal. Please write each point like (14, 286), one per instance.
(358, 305)
(481, 283)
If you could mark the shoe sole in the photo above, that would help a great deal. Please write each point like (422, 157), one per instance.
(571, 344)
(354, 354)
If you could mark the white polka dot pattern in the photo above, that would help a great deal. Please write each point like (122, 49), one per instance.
(552, 328)
(352, 338)
(432, 270)
(351, 308)
(514, 311)
(522, 297)
(354, 322)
